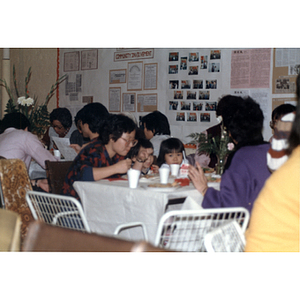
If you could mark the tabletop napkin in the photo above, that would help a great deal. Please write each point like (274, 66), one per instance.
(190, 204)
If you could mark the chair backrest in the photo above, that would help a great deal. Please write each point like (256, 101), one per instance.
(63, 211)
(184, 230)
(56, 172)
(15, 183)
(10, 230)
(44, 237)
(226, 238)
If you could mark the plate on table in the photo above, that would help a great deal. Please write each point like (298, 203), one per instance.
(149, 177)
(160, 187)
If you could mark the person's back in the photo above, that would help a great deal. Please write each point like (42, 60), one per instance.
(274, 224)
(17, 142)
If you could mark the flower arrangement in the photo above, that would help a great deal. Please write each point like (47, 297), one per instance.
(38, 115)
(221, 146)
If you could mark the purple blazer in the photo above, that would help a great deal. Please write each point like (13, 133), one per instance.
(242, 181)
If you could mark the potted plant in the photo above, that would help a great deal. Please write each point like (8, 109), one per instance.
(36, 113)
(221, 146)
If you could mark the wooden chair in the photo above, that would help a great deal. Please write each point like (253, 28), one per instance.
(15, 183)
(10, 230)
(43, 237)
(56, 172)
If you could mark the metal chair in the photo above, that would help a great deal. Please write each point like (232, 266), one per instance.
(226, 238)
(62, 211)
(185, 230)
(131, 225)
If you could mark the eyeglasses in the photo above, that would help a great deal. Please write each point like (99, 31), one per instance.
(132, 143)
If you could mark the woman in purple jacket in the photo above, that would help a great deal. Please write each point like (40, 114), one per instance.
(246, 169)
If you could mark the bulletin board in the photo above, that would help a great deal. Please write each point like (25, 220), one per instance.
(286, 66)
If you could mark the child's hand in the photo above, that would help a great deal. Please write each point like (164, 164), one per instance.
(155, 168)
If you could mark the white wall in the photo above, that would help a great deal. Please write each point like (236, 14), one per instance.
(96, 83)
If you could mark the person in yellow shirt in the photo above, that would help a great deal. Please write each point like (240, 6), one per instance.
(274, 223)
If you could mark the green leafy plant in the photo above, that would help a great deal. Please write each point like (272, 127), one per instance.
(221, 146)
(37, 114)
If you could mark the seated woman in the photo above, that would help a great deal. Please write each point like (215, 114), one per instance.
(143, 145)
(105, 156)
(247, 169)
(61, 126)
(16, 141)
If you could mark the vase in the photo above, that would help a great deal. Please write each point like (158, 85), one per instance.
(220, 165)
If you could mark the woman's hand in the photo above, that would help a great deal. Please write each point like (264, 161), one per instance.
(123, 166)
(43, 184)
(198, 178)
(76, 147)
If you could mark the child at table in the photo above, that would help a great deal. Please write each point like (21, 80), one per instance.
(171, 152)
(146, 146)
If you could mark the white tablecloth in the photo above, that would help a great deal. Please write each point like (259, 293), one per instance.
(108, 204)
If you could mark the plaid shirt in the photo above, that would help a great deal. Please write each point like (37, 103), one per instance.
(91, 156)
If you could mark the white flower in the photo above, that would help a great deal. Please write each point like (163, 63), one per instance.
(25, 101)
(230, 146)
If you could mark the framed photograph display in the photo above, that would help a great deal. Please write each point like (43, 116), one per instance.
(134, 76)
(114, 99)
(71, 61)
(150, 76)
(117, 76)
(128, 102)
(146, 102)
(89, 59)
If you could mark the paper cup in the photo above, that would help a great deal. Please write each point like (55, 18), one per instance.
(174, 169)
(133, 178)
(57, 153)
(164, 174)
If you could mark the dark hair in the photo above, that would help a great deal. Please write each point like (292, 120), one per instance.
(169, 146)
(244, 121)
(114, 126)
(156, 122)
(133, 152)
(16, 120)
(282, 110)
(94, 114)
(225, 102)
(294, 138)
(63, 115)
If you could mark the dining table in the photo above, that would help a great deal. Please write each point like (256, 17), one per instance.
(109, 203)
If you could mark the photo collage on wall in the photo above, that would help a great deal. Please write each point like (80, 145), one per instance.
(192, 86)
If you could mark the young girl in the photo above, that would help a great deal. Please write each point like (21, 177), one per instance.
(170, 152)
(146, 146)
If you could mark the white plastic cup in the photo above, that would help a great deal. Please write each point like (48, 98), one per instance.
(164, 175)
(57, 153)
(133, 178)
(174, 169)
